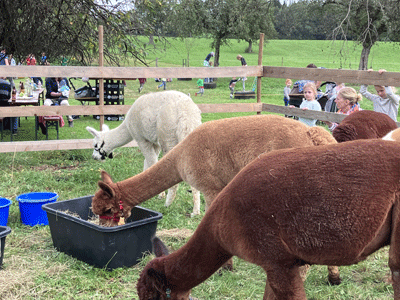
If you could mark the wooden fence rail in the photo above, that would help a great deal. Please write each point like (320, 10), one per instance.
(351, 76)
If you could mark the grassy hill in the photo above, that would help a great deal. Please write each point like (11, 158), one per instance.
(33, 269)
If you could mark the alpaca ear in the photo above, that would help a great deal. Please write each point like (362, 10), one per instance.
(93, 131)
(107, 189)
(159, 247)
(105, 128)
(105, 177)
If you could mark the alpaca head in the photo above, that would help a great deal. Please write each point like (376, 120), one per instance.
(100, 148)
(108, 204)
(153, 283)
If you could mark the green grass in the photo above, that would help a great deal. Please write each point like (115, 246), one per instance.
(33, 269)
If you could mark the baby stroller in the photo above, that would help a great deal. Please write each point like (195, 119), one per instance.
(296, 94)
(85, 93)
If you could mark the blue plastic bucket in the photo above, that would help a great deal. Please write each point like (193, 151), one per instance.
(30, 207)
(4, 211)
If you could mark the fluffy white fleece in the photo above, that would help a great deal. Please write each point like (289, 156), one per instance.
(157, 121)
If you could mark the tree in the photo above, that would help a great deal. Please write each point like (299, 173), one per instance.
(367, 22)
(154, 12)
(256, 16)
(70, 27)
(221, 20)
(304, 20)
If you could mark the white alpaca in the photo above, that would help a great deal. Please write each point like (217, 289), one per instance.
(157, 121)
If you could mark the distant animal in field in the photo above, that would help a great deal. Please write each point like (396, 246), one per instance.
(208, 159)
(363, 124)
(327, 205)
(156, 121)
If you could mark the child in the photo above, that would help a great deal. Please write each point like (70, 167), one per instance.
(244, 64)
(200, 84)
(210, 79)
(386, 101)
(142, 81)
(309, 102)
(286, 91)
(163, 83)
(232, 84)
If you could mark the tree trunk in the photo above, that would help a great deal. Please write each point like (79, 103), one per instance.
(151, 40)
(250, 48)
(364, 58)
(217, 48)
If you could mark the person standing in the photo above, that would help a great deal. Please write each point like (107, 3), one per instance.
(5, 95)
(5, 61)
(206, 62)
(4, 57)
(31, 61)
(386, 101)
(43, 59)
(286, 91)
(244, 64)
(142, 81)
(12, 60)
(232, 85)
(200, 84)
(163, 83)
(64, 61)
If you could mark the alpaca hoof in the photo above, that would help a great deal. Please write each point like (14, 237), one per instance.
(334, 280)
(193, 214)
(227, 267)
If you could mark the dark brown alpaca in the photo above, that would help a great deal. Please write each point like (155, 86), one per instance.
(327, 205)
(208, 159)
(364, 124)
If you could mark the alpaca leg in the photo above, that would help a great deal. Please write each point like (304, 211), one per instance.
(284, 284)
(228, 266)
(334, 275)
(171, 195)
(209, 197)
(304, 271)
(150, 152)
(396, 284)
(394, 250)
(196, 202)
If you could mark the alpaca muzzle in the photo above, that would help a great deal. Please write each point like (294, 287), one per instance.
(116, 218)
(102, 152)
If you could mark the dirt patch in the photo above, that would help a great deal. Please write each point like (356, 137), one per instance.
(56, 167)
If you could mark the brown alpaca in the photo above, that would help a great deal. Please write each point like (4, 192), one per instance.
(364, 124)
(333, 204)
(394, 135)
(207, 159)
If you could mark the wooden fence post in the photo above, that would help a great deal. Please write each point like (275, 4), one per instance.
(260, 56)
(101, 80)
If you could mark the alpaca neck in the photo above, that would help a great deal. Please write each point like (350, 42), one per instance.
(201, 257)
(117, 137)
(156, 179)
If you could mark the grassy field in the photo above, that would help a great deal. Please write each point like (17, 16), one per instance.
(33, 269)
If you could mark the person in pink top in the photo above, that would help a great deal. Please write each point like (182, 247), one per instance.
(347, 102)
